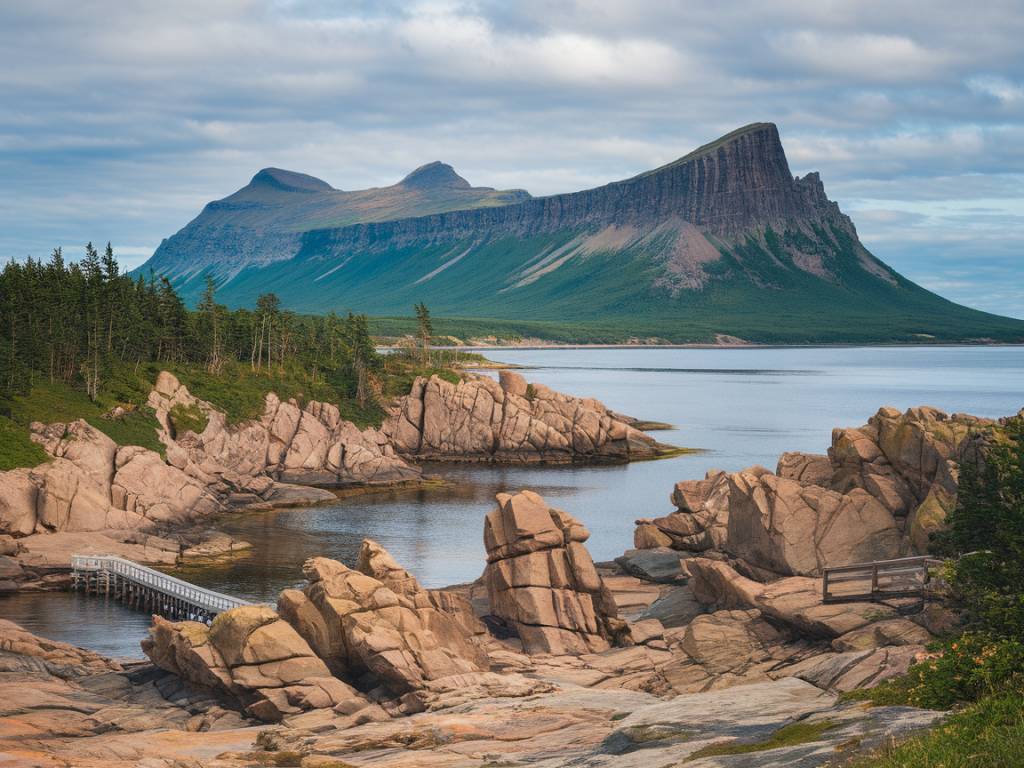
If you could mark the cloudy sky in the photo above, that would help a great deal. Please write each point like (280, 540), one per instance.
(120, 119)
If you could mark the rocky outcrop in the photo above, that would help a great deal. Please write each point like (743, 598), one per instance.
(795, 602)
(92, 484)
(345, 632)
(288, 444)
(254, 656)
(510, 421)
(451, 617)
(541, 580)
(376, 636)
(74, 708)
(878, 494)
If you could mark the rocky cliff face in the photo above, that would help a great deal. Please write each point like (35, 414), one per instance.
(510, 421)
(878, 494)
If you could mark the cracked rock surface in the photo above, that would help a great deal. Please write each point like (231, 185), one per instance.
(510, 421)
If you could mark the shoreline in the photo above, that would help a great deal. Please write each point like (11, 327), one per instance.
(822, 345)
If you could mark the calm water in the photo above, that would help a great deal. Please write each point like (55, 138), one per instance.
(741, 406)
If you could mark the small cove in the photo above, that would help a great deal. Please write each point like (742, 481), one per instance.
(742, 406)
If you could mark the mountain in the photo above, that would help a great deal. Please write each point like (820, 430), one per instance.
(263, 222)
(723, 241)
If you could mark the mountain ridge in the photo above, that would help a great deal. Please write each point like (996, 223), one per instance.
(723, 240)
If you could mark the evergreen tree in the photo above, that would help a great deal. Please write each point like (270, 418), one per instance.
(426, 328)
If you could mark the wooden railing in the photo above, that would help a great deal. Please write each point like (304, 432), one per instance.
(878, 580)
(146, 587)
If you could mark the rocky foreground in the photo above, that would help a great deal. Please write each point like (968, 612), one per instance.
(96, 497)
(548, 659)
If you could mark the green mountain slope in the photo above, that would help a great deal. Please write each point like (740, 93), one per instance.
(723, 241)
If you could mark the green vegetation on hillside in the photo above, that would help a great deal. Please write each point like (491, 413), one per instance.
(754, 291)
(982, 669)
(16, 449)
(82, 340)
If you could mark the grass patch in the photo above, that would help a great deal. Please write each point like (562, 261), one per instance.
(240, 392)
(188, 418)
(987, 734)
(50, 402)
(16, 449)
(787, 736)
(137, 427)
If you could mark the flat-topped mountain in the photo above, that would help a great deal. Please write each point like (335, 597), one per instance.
(723, 241)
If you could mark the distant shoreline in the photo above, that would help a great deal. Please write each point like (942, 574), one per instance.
(819, 345)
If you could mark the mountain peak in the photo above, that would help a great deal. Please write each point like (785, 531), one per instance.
(433, 176)
(289, 181)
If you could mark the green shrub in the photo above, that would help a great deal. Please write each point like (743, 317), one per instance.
(957, 671)
(188, 418)
(985, 534)
(989, 734)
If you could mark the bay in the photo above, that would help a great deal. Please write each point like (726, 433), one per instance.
(739, 406)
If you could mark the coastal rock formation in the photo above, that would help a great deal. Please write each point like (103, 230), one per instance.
(346, 630)
(509, 421)
(795, 602)
(250, 462)
(254, 656)
(450, 618)
(878, 494)
(375, 636)
(75, 708)
(541, 580)
(91, 484)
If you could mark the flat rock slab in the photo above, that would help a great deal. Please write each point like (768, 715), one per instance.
(676, 607)
(660, 565)
(632, 595)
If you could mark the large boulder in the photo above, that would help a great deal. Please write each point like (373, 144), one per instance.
(541, 580)
(253, 655)
(479, 419)
(377, 637)
(880, 493)
(18, 493)
(143, 483)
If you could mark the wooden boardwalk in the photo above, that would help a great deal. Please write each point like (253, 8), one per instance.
(147, 589)
(878, 580)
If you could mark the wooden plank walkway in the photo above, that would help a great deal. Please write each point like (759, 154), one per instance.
(148, 589)
(878, 580)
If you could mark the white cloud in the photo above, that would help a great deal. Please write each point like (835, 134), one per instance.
(122, 118)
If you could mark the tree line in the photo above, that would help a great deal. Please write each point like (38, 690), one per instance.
(74, 322)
